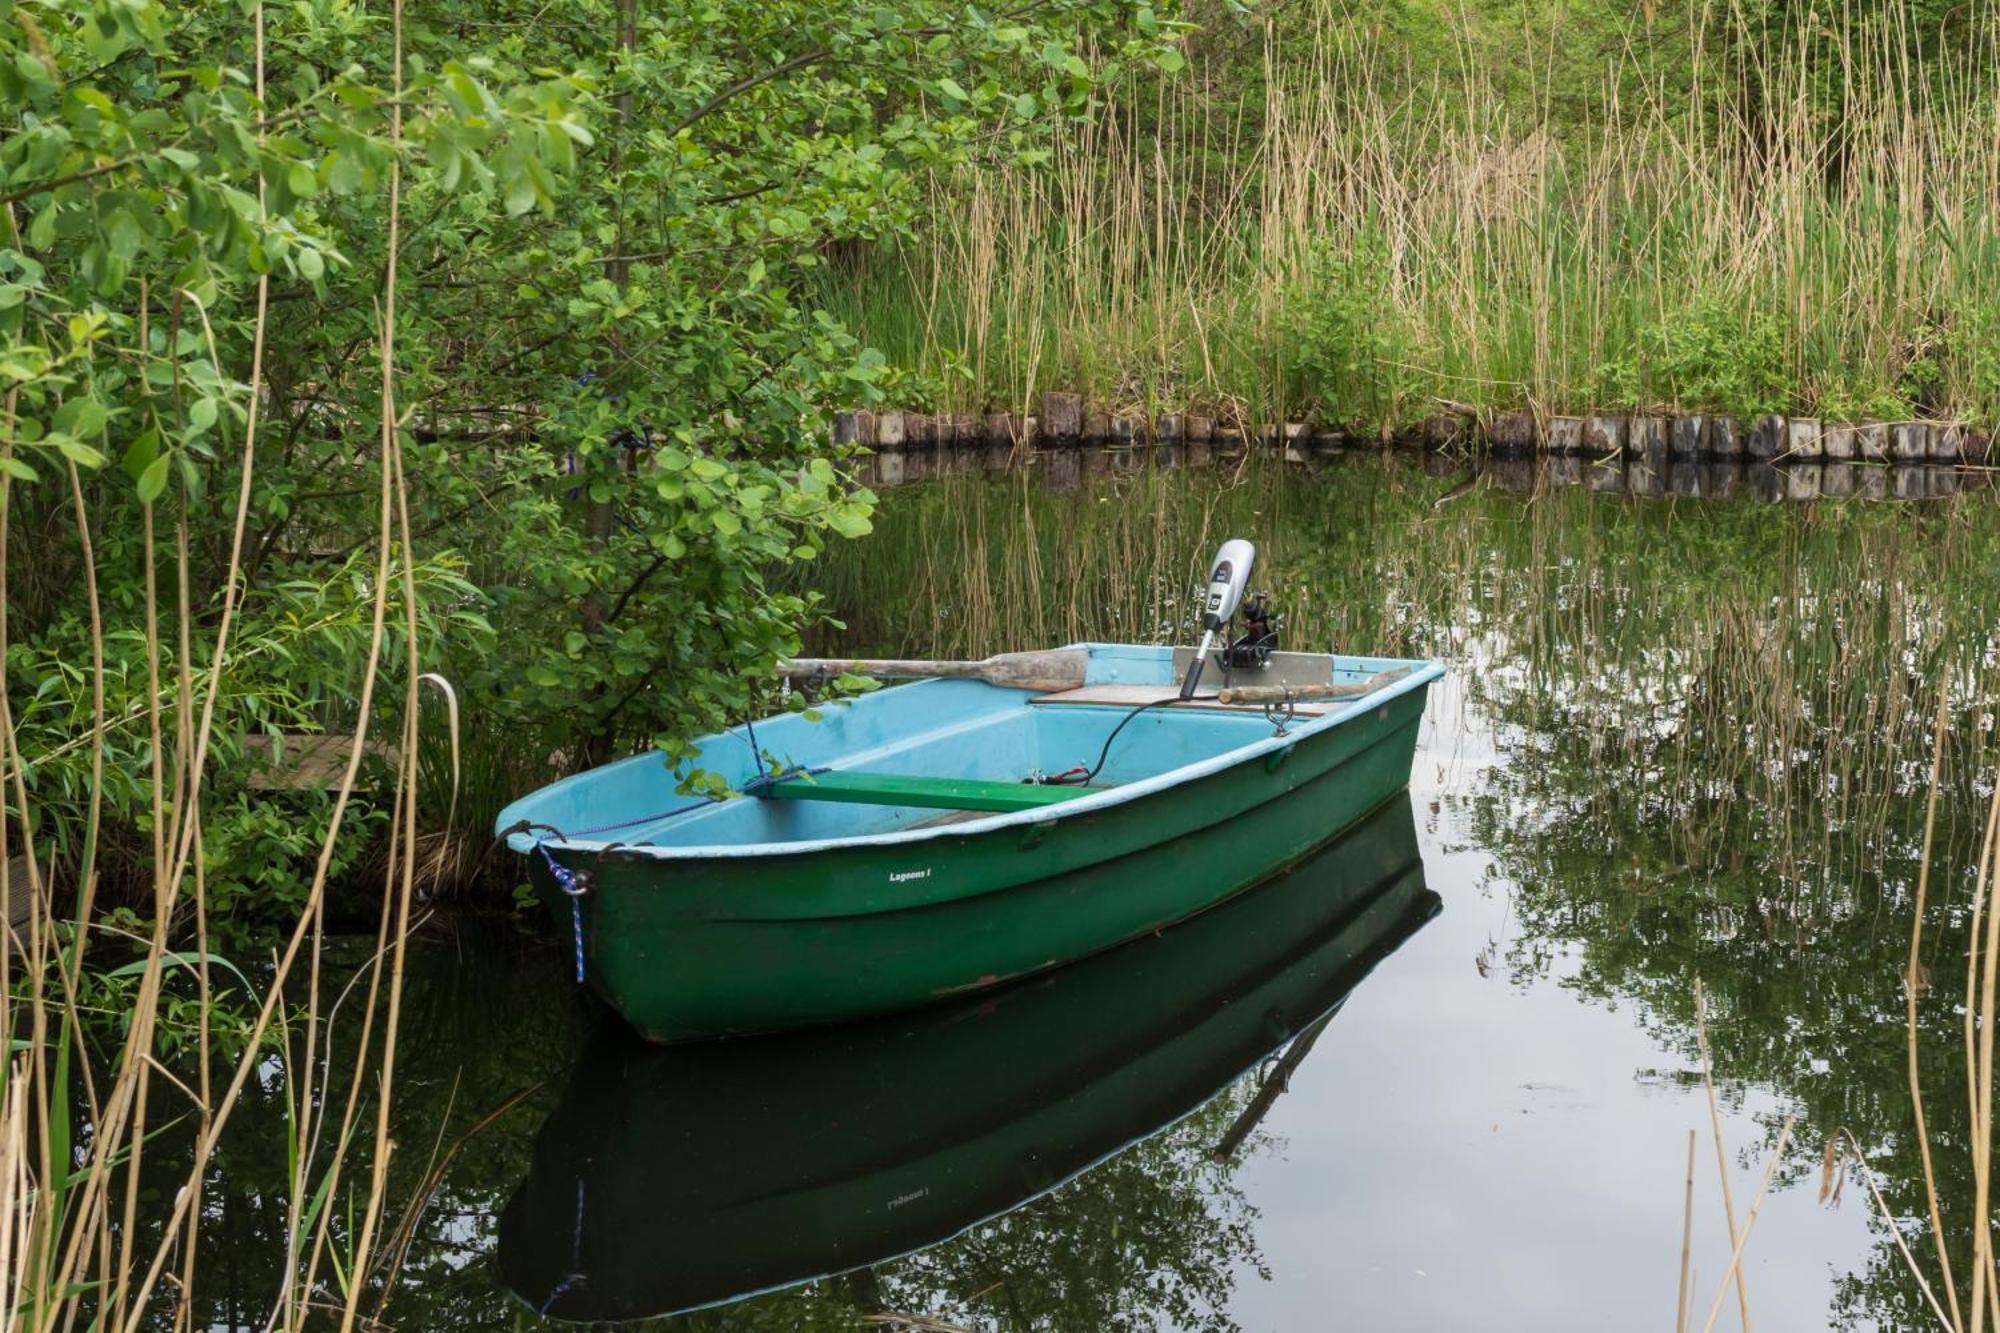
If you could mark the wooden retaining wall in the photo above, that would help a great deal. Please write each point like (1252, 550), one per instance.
(1064, 441)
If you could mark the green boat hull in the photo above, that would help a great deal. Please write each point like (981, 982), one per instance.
(701, 947)
(668, 1179)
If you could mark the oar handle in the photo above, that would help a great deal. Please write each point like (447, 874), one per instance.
(1274, 694)
(1042, 672)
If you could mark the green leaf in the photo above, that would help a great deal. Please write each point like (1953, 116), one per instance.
(311, 266)
(122, 233)
(79, 453)
(949, 87)
(201, 415)
(153, 481)
(850, 520)
(301, 181)
(42, 231)
(82, 417)
(14, 467)
(520, 193)
(140, 454)
(190, 960)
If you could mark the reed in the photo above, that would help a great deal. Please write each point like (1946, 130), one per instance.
(86, 1237)
(1720, 214)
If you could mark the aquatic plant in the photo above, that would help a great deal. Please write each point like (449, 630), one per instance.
(1557, 209)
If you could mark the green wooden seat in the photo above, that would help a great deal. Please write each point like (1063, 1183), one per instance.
(929, 793)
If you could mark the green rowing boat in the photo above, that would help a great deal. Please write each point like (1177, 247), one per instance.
(912, 845)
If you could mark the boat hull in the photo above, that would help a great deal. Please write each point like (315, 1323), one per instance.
(668, 1179)
(703, 947)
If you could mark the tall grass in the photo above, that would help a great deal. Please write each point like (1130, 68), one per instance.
(86, 1241)
(1724, 214)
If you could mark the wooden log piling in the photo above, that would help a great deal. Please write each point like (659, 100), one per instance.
(1652, 454)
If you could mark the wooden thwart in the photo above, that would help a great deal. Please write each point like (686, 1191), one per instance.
(928, 793)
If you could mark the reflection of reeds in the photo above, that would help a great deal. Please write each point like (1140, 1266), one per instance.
(1751, 666)
(1980, 1014)
(1720, 703)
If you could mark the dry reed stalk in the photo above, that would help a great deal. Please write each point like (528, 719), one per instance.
(402, 857)
(405, 870)
(1687, 1241)
(1721, 1153)
(1983, 1286)
(1910, 1016)
(1749, 1223)
(1949, 1321)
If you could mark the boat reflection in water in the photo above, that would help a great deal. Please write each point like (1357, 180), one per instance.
(673, 1178)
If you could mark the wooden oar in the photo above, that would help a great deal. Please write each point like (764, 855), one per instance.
(1044, 672)
(1276, 694)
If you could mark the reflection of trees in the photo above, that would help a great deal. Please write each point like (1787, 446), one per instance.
(482, 1020)
(1730, 785)
(1152, 1238)
(1713, 725)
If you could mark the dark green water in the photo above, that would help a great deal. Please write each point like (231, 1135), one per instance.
(1683, 740)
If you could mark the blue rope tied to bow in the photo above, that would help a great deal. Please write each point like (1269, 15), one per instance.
(573, 887)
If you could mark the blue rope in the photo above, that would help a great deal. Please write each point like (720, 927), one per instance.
(567, 881)
(576, 1274)
(574, 888)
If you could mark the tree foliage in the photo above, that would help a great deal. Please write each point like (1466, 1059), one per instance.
(611, 388)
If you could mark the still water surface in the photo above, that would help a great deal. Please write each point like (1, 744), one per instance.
(1683, 740)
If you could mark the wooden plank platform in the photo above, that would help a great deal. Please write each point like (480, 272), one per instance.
(926, 793)
(1131, 696)
(307, 762)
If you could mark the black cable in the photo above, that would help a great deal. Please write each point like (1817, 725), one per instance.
(1105, 753)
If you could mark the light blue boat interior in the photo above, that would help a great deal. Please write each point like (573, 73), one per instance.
(932, 728)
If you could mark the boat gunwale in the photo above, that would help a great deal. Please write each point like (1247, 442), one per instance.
(1426, 671)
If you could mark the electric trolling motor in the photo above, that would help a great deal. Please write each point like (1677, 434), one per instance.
(1252, 650)
(1226, 584)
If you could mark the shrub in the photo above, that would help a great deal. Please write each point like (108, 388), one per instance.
(1705, 357)
(1351, 349)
